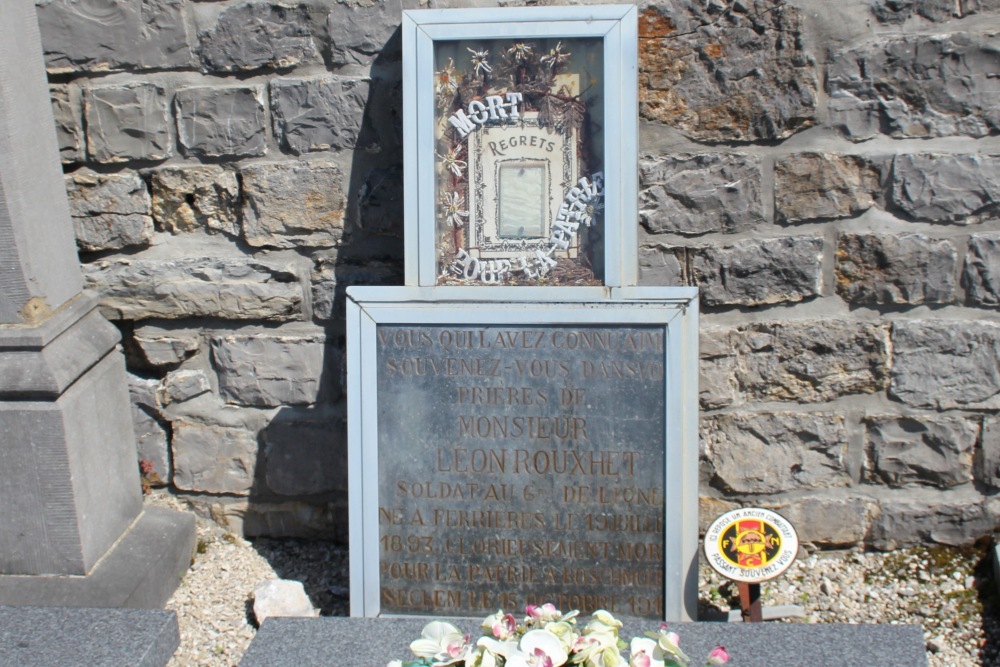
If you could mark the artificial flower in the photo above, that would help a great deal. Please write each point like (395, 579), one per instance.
(439, 641)
(718, 656)
(555, 57)
(555, 644)
(480, 61)
(453, 204)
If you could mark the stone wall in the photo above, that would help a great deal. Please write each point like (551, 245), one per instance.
(827, 173)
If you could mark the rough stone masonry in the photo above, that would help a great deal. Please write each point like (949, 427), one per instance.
(827, 173)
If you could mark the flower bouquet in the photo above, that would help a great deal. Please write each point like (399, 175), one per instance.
(548, 638)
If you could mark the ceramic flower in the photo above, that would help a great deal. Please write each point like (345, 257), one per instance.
(512, 644)
(439, 641)
(603, 622)
(643, 652)
(598, 649)
(501, 625)
(669, 644)
(538, 648)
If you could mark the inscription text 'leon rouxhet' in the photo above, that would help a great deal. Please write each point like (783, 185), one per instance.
(521, 465)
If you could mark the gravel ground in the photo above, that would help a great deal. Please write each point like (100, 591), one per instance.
(950, 592)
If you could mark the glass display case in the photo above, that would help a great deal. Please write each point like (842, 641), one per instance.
(521, 146)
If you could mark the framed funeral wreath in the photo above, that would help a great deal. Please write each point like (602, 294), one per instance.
(520, 145)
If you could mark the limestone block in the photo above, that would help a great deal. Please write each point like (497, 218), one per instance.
(285, 518)
(182, 385)
(824, 186)
(211, 458)
(828, 522)
(945, 519)
(292, 204)
(151, 445)
(773, 452)
(717, 381)
(275, 369)
(916, 86)
(114, 35)
(726, 71)
(709, 509)
(331, 277)
(895, 268)
(109, 211)
(189, 198)
(660, 265)
(281, 598)
(946, 364)
(69, 124)
(165, 349)
(380, 209)
(127, 122)
(142, 392)
(981, 278)
(305, 457)
(318, 114)
(232, 289)
(755, 271)
(927, 451)
(810, 361)
(990, 472)
(221, 122)
(962, 189)
(697, 194)
(360, 33)
(255, 35)
(897, 11)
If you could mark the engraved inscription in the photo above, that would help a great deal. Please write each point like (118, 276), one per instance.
(521, 465)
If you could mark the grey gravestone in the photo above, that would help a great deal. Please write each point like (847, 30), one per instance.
(45, 636)
(518, 451)
(373, 642)
(70, 500)
(521, 465)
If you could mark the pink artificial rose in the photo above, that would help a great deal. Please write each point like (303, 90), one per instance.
(718, 656)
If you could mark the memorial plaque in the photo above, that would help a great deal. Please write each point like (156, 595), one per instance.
(519, 452)
(521, 465)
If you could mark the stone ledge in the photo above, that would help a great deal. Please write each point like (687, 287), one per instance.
(372, 642)
(142, 570)
(45, 636)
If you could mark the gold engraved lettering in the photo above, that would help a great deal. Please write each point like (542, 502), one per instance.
(501, 396)
(537, 428)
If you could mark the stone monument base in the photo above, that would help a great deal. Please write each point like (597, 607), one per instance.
(141, 570)
(372, 642)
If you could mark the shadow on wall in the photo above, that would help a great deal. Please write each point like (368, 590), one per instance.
(301, 476)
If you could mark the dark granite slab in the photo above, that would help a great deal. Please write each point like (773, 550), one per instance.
(372, 642)
(61, 636)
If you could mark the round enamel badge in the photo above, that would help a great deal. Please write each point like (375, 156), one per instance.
(751, 544)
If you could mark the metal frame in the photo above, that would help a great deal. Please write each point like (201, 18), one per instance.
(618, 27)
(675, 308)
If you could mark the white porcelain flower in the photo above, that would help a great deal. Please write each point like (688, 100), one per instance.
(538, 648)
(440, 641)
(645, 653)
